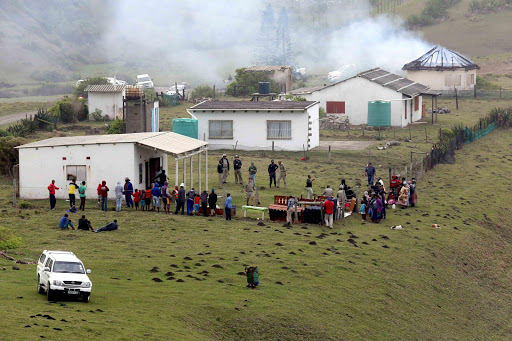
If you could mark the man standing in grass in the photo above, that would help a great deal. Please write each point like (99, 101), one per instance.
(119, 196)
(81, 192)
(309, 186)
(228, 204)
(249, 192)
(51, 190)
(289, 210)
(180, 202)
(156, 192)
(252, 173)
(128, 192)
(225, 167)
(237, 166)
(328, 207)
(104, 195)
(282, 173)
(272, 168)
(370, 172)
(220, 171)
(72, 187)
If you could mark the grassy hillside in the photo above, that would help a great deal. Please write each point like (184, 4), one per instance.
(417, 283)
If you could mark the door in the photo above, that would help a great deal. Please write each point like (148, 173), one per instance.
(152, 169)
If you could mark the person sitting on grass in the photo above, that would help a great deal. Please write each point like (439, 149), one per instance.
(109, 227)
(65, 223)
(72, 209)
(84, 224)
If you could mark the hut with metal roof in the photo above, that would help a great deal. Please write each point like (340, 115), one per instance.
(106, 97)
(375, 97)
(443, 69)
(94, 158)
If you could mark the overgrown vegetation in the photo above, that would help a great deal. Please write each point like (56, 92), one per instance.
(202, 91)
(8, 154)
(98, 116)
(484, 84)
(434, 11)
(70, 110)
(248, 83)
(8, 240)
(79, 91)
(487, 5)
(116, 127)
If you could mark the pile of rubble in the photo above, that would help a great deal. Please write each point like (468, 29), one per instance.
(334, 123)
(439, 110)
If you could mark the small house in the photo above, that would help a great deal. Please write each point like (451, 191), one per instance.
(282, 74)
(375, 97)
(443, 69)
(106, 97)
(258, 125)
(94, 158)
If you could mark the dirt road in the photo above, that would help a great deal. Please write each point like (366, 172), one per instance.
(7, 119)
(344, 145)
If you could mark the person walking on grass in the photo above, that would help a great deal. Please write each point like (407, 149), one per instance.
(166, 197)
(328, 207)
(228, 204)
(282, 173)
(309, 186)
(81, 192)
(128, 192)
(272, 168)
(290, 209)
(237, 166)
(156, 193)
(252, 173)
(212, 202)
(65, 223)
(180, 202)
(191, 195)
(104, 195)
(249, 192)
(51, 191)
(72, 188)
(370, 172)
(119, 195)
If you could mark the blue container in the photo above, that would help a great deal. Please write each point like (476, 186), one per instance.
(264, 88)
(185, 126)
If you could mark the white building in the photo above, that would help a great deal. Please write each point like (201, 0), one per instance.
(375, 97)
(443, 69)
(257, 125)
(95, 158)
(106, 97)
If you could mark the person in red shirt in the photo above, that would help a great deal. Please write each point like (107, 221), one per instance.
(104, 195)
(328, 207)
(148, 198)
(99, 194)
(51, 190)
(136, 199)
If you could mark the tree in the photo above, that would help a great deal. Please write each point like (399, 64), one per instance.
(79, 91)
(251, 80)
(265, 46)
(283, 48)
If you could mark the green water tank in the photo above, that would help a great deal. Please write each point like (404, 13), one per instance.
(185, 126)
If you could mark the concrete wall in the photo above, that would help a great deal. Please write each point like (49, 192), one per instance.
(250, 129)
(444, 80)
(138, 117)
(110, 103)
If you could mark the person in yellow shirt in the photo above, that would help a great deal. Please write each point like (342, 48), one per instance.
(72, 187)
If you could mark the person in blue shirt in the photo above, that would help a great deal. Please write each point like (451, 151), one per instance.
(156, 196)
(228, 204)
(370, 173)
(65, 222)
(72, 209)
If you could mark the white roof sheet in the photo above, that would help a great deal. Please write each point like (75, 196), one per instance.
(105, 88)
(167, 142)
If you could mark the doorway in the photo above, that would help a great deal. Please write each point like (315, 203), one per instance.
(152, 169)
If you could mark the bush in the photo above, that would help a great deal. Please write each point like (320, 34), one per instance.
(203, 91)
(79, 91)
(23, 128)
(250, 81)
(3, 133)
(97, 115)
(484, 84)
(8, 155)
(116, 127)
(447, 134)
(8, 240)
(48, 76)
(23, 204)
(66, 112)
(322, 113)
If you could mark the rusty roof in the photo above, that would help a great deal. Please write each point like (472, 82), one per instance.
(104, 88)
(253, 105)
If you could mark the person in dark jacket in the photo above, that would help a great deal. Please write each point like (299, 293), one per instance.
(220, 171)
(109, 227)
(204, 203)
(237, 166)
(84, 224)
(128, 192)
(272, 168)
(212, 202)
(190, 201)
(225, 167)
(161, 178)
(182, 197)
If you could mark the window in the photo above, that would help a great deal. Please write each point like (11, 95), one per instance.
(335, 107)
(42, 258)
(140, 173)
(279, 130)
(452, 80)
(416, 103)
(470, 79)
(76, 173)
(220, 130)
(69, 267)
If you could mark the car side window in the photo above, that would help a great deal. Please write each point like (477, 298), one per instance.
(51, 264)
(42, 258)
(47, 265)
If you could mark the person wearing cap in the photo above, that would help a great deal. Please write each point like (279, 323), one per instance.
(128, 192)
(225, 167)
(180, 202)
(252, 173)
(328, 207)
(237, 166)
(272, 168)
(282, 173)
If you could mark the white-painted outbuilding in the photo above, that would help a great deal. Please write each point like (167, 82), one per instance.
(443, 69)
(94, 158)
(258, 125)
(375, 97)
(106, 97)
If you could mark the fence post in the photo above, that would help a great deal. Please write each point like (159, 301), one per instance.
(14, 192)
(456, 99)
(329, 159)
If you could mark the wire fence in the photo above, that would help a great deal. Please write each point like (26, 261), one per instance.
(501, 93)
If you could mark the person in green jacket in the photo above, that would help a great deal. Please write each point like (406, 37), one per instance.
(252, 173)
(81, 191)
(220, 171)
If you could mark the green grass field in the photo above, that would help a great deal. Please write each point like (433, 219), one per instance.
(417, 283)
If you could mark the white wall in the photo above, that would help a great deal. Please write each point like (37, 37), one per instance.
(250, 128)
(110, 103)
(107, 162)
(436, 80)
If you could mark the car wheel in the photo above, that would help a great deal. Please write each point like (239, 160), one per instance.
(86, 297)
(40, 289)
(49, 293)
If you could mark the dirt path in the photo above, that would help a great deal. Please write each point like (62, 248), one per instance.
(344, 145)
(15, 117)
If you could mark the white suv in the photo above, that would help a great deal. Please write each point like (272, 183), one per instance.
(61, 272)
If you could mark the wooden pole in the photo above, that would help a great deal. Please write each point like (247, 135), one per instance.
(410, 135)
(224, 205)
(456, 99)
(329, 159)
(440, 134)
(432, 109)
(185, 171)
(177, 171)
(343, 207)
(14, 192)
(199, 171)
(426, 136)
(191, 172)
(206, 167)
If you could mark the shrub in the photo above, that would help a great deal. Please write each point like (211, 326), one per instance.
(23, 128)
(67, 114)
(48, 76)
(8, 240)
(97, 115)
(250, 81)
(447, 134)
(484, 84)
(116, 127)
(3, 133)
(8, 155)
(203, 91)
(79, 91)
(322, 113)
(23, 204)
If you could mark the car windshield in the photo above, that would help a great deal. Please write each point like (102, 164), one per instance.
(68, 267)
(144, 79)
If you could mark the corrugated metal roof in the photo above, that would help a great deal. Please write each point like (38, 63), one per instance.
(253, 105)
(167, 142)
(104, 88)
(267, 68)
(441, 58)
